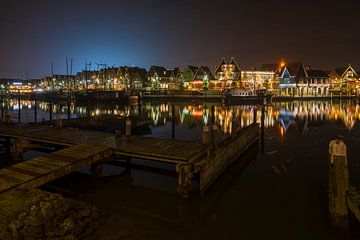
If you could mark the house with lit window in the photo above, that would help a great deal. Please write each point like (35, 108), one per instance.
(175, 78)
(227, 75)
(12, 86)
(157, 78)
(291, 75)
(58, 83)
(269, 74)
(316, 83)
(344, 80)
(201, 78)
(187, 76)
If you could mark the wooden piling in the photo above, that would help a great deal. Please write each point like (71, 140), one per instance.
(19, 110)
(128, 127)
(59, 120)
(35, 111)
(205, 135)
(338, 183)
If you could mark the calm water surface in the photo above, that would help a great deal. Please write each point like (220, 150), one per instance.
(281, 194)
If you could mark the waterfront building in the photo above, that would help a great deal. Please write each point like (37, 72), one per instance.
(188, 76)
(255, 80)
(85, 80)
(175, 78)
(134, 77)
(227, 75)
(316, 83)
(272, 84)
(19, 86)
(157, 78)
(291, 74)
(202, 78)
(58, 82)
(345, 80)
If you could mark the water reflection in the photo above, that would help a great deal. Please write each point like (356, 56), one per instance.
(198, 115)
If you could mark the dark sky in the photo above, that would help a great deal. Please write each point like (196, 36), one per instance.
(323, 34)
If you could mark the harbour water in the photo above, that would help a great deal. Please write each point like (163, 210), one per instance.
(280, 194)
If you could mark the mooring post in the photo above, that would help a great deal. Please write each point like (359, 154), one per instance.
(233, 127)
(214, 136)
(17, 148)
(68, 108)
(186, 174)
(338, 182)
(19, 112)
(35, 111)
(117, 138)
(173, 122)
(254, 114)
(7, 116)
(128, 127)
(59, 120)
(262, 130)
(50, 110)
(205, 135)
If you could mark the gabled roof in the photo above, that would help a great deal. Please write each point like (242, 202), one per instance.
(175, 72)
(160, 71)
(204, 71)
(192, 68)
(269, 67)
(237, 68)
(317, 74)
(218, 68)
(294, 68)
(339, 72)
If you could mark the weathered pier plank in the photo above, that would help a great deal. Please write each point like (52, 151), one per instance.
(38, 171)
(164, 150)
(86, 147)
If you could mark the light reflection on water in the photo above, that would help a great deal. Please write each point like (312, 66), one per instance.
(290, 203)
(199, 114)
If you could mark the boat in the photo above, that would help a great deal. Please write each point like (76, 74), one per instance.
(245, 95)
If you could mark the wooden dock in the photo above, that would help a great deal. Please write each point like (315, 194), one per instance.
(83, 147)
(40, 170)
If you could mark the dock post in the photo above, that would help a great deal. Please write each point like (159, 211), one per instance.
(262, 130)
(2, 109)
(205, 135)
(35, 111)
(186, 174)
(68, 109)
(50, 111)
(7, 116)
(233, 127)
(59, 120)
(173, 122)
(128, 127)
(19, 112)
(254, 115)
(338, 182)
(17, 148)
(214, 136)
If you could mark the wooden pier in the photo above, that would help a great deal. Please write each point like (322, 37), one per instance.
(82, 147)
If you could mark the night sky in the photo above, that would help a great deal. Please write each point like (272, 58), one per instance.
(33, 33)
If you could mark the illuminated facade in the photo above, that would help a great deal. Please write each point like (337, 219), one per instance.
(201, 78)
(256, 80)
(316, 83)
(345, 80)
(157, 78)
(227, 75)
(19, 86)
(58, 83)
